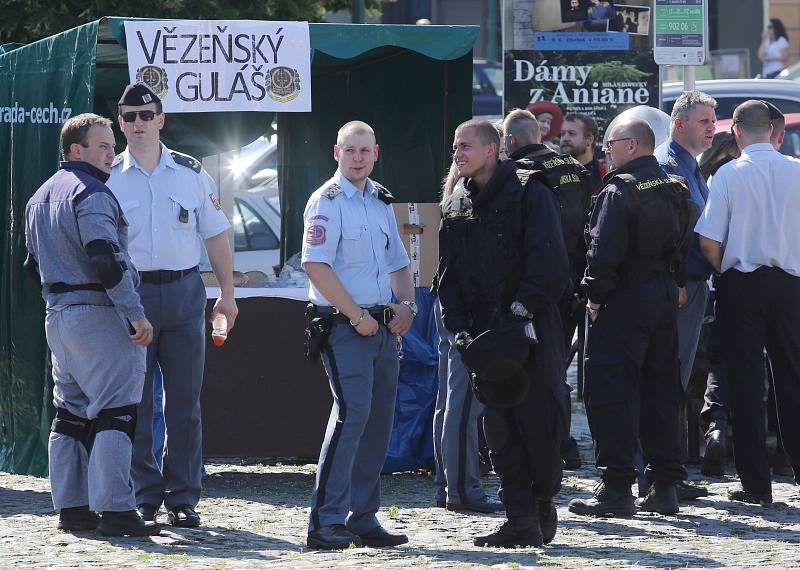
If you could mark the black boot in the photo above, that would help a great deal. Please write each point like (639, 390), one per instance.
(514, 533)
(609, 500)
(548, 520)
(662, 498)
(77, 518)
(570, 453)
(126, 523)
(716, 449)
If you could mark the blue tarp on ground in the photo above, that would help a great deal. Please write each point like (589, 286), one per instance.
(411, 446)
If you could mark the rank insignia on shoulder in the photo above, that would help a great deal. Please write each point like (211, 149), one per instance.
(332, 191)
(672, 162)
(117, 160)
(186, 160)
(383, 194)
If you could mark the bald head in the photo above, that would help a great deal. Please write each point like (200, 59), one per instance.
(629, 140)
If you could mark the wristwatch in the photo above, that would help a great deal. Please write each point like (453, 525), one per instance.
(411, 305)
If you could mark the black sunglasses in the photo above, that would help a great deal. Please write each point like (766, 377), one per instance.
(130, 116)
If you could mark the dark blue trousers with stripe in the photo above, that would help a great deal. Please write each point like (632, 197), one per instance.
(363, 378)
(455, 426)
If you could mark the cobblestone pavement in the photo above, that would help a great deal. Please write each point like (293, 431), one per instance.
(255, 513)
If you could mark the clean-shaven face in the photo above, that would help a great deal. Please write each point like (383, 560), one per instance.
(356, 155)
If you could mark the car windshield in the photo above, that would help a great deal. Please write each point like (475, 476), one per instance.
(495, 75)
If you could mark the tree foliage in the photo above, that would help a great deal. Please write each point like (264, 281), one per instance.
(25, 21)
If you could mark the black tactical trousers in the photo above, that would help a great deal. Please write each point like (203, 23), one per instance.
(524, 441)
(632, 382)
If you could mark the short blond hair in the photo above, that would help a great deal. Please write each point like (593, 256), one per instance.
(353, 128)
(523, 125)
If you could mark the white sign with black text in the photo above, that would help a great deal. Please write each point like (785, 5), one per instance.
(198, 66)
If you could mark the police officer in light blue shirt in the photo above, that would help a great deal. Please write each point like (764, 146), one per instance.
(355, 261)
(171, 205)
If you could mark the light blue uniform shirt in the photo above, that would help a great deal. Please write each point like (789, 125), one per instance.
(356, 234)
(160, 238)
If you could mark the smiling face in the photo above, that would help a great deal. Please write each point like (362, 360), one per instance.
(544, 120)
(356, 153)
(141, 133)
(97, 149)
(471, 155)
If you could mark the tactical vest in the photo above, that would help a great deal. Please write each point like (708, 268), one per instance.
(487, 247)
(660, 223)
(568, 179)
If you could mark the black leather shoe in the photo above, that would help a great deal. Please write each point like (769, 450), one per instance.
(608, 501)
(125, 523)
(147, 512)
(77, 518)
(570, 454)
(716, 449)
(688, 492)
(548, 520)
(485, 505)
(379, 536)
(183, 516)
(662, 498)
(743, 496)
(332, 537)
(514, 533)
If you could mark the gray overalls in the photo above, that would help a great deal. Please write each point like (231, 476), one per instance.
(97, 370)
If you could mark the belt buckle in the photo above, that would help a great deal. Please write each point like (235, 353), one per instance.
(387, 315)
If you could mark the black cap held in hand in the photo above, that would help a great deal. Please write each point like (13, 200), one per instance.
(138, 94)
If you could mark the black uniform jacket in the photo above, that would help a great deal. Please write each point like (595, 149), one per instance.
(499, 244)
(624, 224)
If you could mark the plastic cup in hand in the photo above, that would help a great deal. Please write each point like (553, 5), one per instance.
(219, 329)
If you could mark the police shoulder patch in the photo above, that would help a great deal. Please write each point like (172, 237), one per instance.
(332, 191)
(117, 160)
(186, 160)
(383, 194)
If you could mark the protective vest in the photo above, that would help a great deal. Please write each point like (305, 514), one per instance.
(661, 223)
(571, 184)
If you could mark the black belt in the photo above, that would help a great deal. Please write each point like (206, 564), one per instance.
(67, 288)
(380, 313)
(162, 276)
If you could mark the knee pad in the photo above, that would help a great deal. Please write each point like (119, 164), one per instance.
(76, 427)
(121, 419)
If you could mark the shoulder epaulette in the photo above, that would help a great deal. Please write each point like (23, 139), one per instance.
(117, 160)
(383, 194)
(186, 160)
(672, 162)
(680, 180)
(332, 191)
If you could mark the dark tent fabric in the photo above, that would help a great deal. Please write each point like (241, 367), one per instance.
(412, 83)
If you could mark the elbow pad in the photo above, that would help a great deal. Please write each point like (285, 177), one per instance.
(103, 258)
(31, 268)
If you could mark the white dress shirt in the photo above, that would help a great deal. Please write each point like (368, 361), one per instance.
(753, 210)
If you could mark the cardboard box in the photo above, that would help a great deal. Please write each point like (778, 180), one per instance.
(418, 223)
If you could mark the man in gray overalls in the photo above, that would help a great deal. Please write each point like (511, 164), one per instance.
(355, 260)
(76, 238)
(171, 204)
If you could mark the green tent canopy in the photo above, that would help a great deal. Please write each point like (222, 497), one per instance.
(411, 83)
